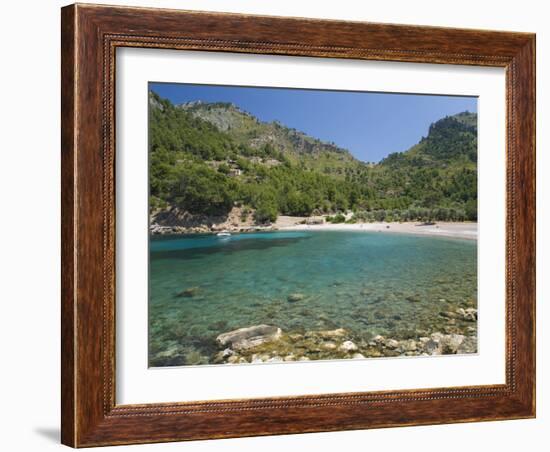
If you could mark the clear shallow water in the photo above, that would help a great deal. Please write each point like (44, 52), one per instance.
(366, 282)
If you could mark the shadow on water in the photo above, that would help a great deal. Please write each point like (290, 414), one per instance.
(226, 247)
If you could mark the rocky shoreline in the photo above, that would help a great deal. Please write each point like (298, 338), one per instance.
(156, 229)
(240, 220)
(270, 344)
(176, 221)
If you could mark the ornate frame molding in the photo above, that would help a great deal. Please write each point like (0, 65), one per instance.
(90, 37)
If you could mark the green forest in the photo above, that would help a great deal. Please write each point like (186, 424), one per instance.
(206, 158)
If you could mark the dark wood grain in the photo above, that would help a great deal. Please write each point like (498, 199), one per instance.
(90, 36)
(67, 226)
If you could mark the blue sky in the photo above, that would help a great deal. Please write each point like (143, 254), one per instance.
(369, 125)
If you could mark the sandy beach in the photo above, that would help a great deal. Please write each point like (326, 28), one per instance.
(465, 230)
(234, 223)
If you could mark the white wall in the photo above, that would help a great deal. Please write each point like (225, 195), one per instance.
(29, 229)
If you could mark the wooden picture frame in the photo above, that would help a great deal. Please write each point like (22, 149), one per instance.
(90, 36)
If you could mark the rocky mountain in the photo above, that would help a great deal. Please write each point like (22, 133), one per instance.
(247, 130)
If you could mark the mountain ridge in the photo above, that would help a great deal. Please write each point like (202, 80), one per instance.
(244, 126)
(272, 169)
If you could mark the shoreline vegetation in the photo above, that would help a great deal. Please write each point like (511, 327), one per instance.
(462, 230)
(214, 165)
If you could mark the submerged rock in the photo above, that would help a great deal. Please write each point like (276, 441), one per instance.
(188, 293)
(469, 314)
(257, 358)
(223, 356)
(220, 325)
(468, 345)
(408, 345)
(375, 353)
(449, 314)
(327, 334)
(446, 344)
(329, 345)
(252, 336)
(294, 297)
(413, 298)
(449, 344)
(193, 357)
(432, 347)
(170, 352)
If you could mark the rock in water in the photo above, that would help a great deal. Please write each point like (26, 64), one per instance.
(468, 345)
(329, 345)
(348, 346)
(444, 344)
(448, 314)
(450, 343)
(408, 345)
(469, 314)
(293, 297)
(245, 338)
(432, 347)
(188, 293)
(329, 334)
(170, 352)
(227, 353)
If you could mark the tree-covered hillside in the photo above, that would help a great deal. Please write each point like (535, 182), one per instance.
(206, 158)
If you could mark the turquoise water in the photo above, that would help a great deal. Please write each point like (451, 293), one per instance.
(369, 283)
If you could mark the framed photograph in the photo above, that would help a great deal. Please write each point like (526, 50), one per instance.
(282, 225)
